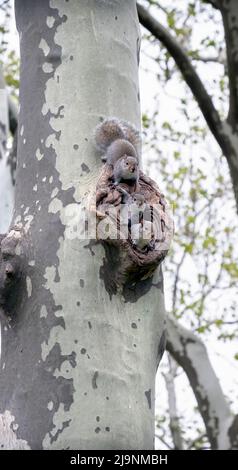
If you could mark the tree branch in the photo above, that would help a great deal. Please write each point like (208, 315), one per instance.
(12, 158)
(13, 115)
(222, 131)
(3, 116)
(230, 18)
(207, 60)
(191, 354)
(164, 441)
(214, 3)
(188, 71)
(174, 418)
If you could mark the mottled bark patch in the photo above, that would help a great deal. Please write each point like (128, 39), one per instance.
(233, 434)
(26, 372)
(8, 435)
(94, 380)
(148, 397)
(162, 346)
(85, 168)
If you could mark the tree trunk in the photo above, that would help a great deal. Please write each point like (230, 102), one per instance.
(78, 362)
(6, 187)
(190, 353)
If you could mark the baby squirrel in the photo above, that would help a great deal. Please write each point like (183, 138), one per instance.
(142, 236)
(119, 142)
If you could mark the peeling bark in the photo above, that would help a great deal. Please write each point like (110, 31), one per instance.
(78, 367)
(8, 437)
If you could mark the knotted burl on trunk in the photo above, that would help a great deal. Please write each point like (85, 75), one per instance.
(133, 217)
(12, 268)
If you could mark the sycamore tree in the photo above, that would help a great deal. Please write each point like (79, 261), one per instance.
(78, 361)
(184, 56)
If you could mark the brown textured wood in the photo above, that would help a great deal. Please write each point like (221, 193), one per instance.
(133, 262)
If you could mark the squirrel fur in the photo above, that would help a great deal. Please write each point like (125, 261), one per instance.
(143, 235)
(119, 143)
(115, 138)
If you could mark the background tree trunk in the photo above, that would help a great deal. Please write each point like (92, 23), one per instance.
(6, 187)
(78, 362)
(190, 353)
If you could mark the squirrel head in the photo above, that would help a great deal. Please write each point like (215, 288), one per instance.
(126, 169)
(138, 199)
(118, 149)
(129, 163)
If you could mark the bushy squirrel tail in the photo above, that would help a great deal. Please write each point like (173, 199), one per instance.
(132, 134)
(112, 129)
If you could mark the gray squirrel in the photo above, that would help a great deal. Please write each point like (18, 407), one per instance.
(142, 236)
(119, 143)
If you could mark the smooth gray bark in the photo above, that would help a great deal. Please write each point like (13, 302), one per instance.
(78, 362)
